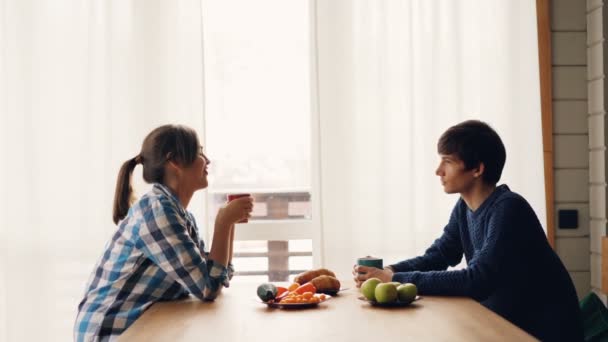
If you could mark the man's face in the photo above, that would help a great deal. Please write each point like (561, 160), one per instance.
(453, 176)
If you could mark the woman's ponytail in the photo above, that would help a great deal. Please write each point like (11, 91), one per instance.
(124, 190)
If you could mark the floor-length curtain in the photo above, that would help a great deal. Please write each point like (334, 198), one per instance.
(81, 83)
(392, 76)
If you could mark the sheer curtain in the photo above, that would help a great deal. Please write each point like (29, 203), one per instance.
(81, 83)
(392, 76)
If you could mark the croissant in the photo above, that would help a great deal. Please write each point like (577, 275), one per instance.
(307, 276)
(325, 283)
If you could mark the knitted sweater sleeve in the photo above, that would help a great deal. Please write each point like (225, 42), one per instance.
(487, 268)
(445, 251)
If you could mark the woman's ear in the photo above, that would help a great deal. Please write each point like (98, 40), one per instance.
(174, 167)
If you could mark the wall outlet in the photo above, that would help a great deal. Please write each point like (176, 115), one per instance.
(567, 219)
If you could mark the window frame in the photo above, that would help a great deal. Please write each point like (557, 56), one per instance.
(290, 229)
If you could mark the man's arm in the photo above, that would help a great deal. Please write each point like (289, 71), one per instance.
(445, 251)
(496, 259)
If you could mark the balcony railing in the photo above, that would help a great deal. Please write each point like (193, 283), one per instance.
(278, 261)
(272, 205)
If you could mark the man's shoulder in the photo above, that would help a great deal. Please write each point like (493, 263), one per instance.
(509, 202)
(509, 198)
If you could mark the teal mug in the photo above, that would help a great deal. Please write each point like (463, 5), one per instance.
(370, 262)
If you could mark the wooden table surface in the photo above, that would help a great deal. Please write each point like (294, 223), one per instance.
(237, 315)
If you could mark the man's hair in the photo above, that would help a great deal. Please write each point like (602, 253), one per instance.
(475, 142)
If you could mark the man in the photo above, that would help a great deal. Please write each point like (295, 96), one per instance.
(511, 268)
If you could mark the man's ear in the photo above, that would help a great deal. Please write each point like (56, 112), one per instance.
(479, 170)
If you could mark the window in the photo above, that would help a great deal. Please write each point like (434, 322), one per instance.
(271, 260)
(258, 136)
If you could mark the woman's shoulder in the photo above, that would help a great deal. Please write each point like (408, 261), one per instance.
(151, 204)
(156, 196)
(155, 211)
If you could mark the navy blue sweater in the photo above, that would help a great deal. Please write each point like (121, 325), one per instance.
(511, 268)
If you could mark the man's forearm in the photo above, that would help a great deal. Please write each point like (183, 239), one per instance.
(432, 260)
(471, 282)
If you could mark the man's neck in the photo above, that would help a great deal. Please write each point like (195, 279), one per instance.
(477, 194)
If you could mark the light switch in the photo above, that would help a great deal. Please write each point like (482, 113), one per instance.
(567, 219)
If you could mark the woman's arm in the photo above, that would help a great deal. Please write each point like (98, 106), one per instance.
(225, 222)
(230, 255)
(164, 239)
(221, 245)
(219, 253)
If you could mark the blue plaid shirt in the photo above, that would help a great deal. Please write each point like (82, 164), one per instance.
(155, 255)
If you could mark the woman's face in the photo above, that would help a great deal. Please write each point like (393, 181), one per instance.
(195, 175)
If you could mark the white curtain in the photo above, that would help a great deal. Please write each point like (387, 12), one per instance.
(393, 75)
(81, 83)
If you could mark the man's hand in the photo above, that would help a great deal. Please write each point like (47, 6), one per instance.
(362, 273)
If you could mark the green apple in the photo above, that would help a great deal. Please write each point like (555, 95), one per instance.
(407, 292)
(386, 293)
(395, 283)
(368, 288)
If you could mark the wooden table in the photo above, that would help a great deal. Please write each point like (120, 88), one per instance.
(237, 315)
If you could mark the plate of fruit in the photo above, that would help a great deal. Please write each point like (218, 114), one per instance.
(294, 297)
(392, 294)
(309, 289)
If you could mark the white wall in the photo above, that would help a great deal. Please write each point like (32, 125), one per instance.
(571, 139)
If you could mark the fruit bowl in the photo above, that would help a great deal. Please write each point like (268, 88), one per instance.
(389, 304)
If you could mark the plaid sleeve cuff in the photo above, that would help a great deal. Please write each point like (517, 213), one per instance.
(218, 274)
(229, 275)
(229, 270)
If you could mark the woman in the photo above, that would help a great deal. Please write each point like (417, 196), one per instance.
(156, 254)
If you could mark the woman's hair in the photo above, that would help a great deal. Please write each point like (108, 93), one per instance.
(169, 142)
(475, 142)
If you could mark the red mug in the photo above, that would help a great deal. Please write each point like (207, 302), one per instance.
(235, 196)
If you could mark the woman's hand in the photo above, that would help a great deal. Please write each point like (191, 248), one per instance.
(235, 211)
(362, 273)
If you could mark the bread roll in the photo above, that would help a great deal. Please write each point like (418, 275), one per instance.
(307, 276)
(325, 283)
